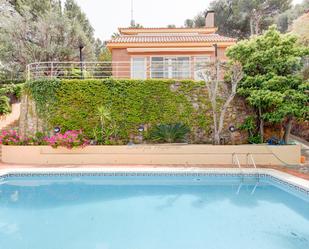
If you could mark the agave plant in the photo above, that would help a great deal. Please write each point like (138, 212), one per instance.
(169, 133)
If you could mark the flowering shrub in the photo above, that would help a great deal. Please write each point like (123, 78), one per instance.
(10, 137)
(70, 139)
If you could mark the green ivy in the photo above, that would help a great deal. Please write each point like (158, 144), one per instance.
(73, 104)
(44, 93)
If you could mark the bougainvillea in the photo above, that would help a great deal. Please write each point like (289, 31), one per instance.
(10, 137)
(70, 139)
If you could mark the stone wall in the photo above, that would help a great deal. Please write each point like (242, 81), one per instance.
(29, 122)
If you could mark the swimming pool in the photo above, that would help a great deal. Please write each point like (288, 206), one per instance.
(152, 210)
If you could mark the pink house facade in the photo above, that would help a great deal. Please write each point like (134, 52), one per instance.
(166, 53)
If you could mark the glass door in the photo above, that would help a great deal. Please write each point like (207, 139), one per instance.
(138, 68)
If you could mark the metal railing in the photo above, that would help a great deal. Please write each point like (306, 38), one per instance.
(236, 161)
(249, 156)
(147, 69)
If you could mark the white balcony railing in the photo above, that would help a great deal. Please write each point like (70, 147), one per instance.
(120, 70)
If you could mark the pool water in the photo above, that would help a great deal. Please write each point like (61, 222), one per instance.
(150, 212)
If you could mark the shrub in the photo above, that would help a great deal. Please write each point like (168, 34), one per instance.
(170, 133)
(255, 139)
(249, 125)
(5, 106)
(11, 90)
(38, 139)
(10, 137)
(70, 139)
(17, 90)
(8, 93)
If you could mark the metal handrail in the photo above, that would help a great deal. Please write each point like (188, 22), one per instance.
(236, 161)
(234, 156)
(117, 69)
(249, 156)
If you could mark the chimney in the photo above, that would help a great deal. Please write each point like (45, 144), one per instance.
(210, 19)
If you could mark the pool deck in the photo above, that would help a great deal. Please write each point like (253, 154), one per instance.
(291, 176)
(292, 171)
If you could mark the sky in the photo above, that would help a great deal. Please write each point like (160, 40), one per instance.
(107, 15)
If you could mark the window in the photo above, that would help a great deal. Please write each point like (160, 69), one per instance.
(157, 68)
(170, 67)
(182, 68)
(200, 64)
(138, 68)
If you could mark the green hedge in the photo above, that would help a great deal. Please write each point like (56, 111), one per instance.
(72, 104)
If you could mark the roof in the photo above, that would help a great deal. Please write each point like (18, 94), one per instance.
(170, 38)
(133, 31)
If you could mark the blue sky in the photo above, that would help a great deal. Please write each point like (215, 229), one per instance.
(107, 15)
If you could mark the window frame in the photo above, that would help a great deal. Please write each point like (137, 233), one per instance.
(189, 57)
(195, 77)
(132, 67)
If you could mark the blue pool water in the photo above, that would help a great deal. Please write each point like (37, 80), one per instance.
(150, 212)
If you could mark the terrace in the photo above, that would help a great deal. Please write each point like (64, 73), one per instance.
(138, 68)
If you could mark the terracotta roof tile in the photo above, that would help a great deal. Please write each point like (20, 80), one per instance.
(170, 38)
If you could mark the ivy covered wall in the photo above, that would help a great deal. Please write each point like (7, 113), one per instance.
(73, 104)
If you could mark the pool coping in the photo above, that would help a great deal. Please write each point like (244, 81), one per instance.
(281, 177)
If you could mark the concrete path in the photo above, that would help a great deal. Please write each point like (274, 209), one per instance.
(6, 120)
(304, 152)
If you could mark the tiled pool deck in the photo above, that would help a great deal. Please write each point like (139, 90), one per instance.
(292, 171)
(288, 176)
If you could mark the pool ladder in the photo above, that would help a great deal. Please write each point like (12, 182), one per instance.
(249, 157)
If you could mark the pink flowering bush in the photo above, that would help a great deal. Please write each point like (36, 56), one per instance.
(10, 137)
(70, 139)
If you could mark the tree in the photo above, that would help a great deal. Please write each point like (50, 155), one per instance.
(242, 18)
(189, 23)
(271, 63)
(285, 19)
(230, 19)
(105, 55)
(171, 26)
(75, 14)
(300, 27)
(34, 7)
(212, 79)
(260, 11)
(32, 32)
(197, 22)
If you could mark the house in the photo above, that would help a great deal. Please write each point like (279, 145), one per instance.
(166, 53)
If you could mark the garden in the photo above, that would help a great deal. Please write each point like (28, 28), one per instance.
(263, 87)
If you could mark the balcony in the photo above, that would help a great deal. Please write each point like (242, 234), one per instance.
(136, 68)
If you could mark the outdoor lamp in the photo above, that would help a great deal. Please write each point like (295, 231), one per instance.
(57, 129)
(232, 128)
(141, 128)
